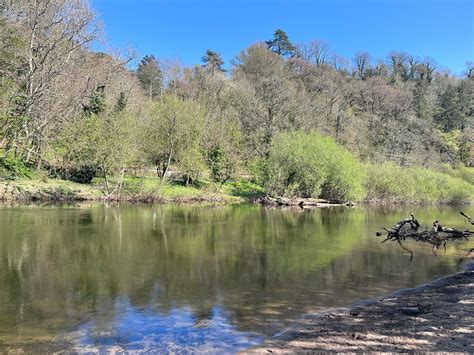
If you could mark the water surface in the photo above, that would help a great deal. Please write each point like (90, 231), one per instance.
(172, 278)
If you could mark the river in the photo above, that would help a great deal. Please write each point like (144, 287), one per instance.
(171, 278)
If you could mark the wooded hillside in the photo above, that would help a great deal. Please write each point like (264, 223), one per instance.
(78, 114)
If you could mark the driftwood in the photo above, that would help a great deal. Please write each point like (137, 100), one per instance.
(436, 235)
(300, 202)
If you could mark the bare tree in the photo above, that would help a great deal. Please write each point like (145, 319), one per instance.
(470, 70)
(398, 64)
(317, 52)
(55, 32)
(339, 62)
(362, 62)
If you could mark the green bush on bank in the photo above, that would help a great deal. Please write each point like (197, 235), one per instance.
(310, 165)
(14, 169)
(390, 183)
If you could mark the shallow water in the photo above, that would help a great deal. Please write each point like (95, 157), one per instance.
(173, 278)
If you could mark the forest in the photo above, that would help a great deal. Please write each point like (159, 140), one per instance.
(282, 119)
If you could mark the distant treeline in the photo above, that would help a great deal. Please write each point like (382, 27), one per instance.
(78, 114)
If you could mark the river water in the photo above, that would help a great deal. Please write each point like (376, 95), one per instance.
(170, 278)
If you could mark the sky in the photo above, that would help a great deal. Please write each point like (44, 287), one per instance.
(184, 29)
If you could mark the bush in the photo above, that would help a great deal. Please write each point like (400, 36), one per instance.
(310, 165)
(14, 169)
(221, 164)
(391, 183)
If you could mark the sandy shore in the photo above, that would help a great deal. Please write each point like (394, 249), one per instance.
(438, 316)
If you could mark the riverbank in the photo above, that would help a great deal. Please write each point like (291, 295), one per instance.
(149, 189)
(133, 190)
(438, 316)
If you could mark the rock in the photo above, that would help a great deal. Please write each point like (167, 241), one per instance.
(354, 312)
(411, 311)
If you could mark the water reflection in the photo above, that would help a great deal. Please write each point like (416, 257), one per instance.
(179, 277)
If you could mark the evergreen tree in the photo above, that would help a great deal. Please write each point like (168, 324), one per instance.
(420, 101)
(213, 62)
(121, 103)
(150, 75)
(450, 115)
(97, 103)
(281, 44)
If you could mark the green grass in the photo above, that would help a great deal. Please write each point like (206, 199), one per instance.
(389, 183)
(149, 188)
(462, 172)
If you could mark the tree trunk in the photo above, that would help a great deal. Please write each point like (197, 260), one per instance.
(170, 155)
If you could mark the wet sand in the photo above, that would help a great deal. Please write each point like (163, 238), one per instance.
(438, 316)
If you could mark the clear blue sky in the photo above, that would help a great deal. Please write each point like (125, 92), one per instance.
(440, 29)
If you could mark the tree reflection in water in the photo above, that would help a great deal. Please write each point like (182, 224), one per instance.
(86, 276)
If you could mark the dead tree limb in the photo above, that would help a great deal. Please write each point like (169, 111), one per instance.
(469, 219)
(438, 235)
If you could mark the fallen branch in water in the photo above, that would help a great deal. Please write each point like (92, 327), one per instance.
(469, 219)
(437, 235)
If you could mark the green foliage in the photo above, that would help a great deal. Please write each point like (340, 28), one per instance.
(94, 143)
(121, 103)
(192, 165)
(97, 103)
(220, 164)
(390, 183)
(457, 146)
(150, 76)
(191, 122)
(310, 165)
(450, 115)
(14, 169)
(281, 44)
(213, 62)
(461, 172)
(247, 189)
(172, 133)
(258, 169)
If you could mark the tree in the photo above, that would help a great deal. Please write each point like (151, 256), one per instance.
(470, 70)
(450, 115)
(213, 62)
(172, 133)
(317, 52)
(55, 31)
(97, 143)
(151, 76)
(362, 62)
(398, 64)
(265, 100)
(281, 44)
(97, 103)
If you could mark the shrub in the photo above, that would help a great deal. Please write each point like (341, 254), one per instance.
(13, 169)
(221, 164)
(310, 165)
(391, 183)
